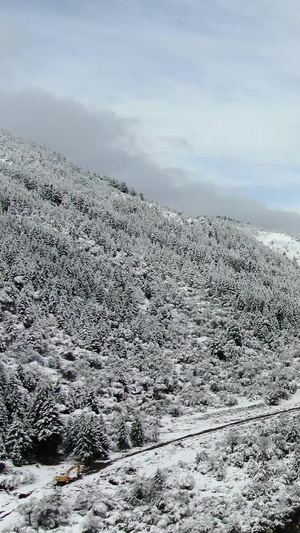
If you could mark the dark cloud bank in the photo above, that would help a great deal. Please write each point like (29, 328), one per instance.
(100, 141)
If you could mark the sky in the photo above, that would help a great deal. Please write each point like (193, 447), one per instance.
(194, 103)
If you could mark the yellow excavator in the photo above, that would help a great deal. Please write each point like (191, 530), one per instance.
(62, 479)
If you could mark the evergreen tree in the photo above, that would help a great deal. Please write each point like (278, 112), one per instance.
(18, 442)
(100, 432)
(137, 433)
(20, 374)
(14, 399)
(27, 378)
(46, 423)
(122, 439)
(3, 453)
(3, 417)
(3, 378)
(158, 480)
(87, 437)
(93, 402)
(83, 441)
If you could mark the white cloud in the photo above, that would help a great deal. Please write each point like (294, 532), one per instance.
(222, 76)
(101, 141)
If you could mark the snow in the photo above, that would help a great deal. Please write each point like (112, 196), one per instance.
(282, 243)
(191, 422)
(179, 457)
(41, 485)
(2, 160)
(172, 215)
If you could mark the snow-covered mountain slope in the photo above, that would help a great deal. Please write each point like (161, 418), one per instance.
(282, 243)
(120, 302)
(118, 314)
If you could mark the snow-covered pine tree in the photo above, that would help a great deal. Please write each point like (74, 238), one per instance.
(3, 416)
(18, 442)
(158, 480)
(86, 442)
(122, 438)
(3, 453)
(3, 378)
(83, 440)
(46, 423)
(14, 399)
(137, 433)
(93, 402)
(70, 434)
(20, 374)
(27, 378)
(100, 434)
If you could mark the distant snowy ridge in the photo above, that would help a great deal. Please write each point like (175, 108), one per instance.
(282, 243)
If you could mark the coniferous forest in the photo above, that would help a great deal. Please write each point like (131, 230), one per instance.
(113, 306)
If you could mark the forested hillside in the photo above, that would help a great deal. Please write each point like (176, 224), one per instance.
(112, 306)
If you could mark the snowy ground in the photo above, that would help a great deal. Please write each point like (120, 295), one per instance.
(145, 463)
(281, 243)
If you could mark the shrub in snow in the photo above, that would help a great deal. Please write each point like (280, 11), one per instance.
(86, 499)
(100, 509)
(51, 193)
(147, 490)
(231, 440)
(175, 410)
(237, 460)
(187, 482)
(217, 348)
(92, 524)
(11, 478)
(215, 386)
(151, 426)
(47, 513)
(275, 394)
(233, 333)
(24, 477)
(141, 491)
(19, 528)
(228, 399)
(288, 475)
(8, 483)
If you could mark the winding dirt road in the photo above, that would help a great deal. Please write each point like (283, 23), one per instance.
(97, 467)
